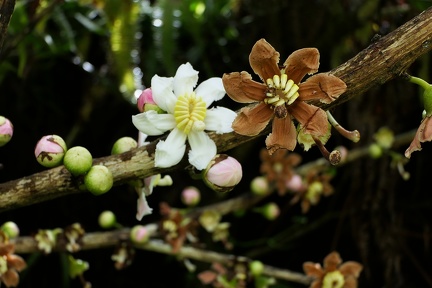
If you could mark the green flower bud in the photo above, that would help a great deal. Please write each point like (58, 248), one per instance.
(10, 229)
(375, 150)
(260, 186)
(50, 151)
(78, 160)
(256, 267)
(107, 219)
(123, 144)
(98, 180)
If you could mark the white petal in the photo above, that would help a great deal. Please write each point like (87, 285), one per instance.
(163, 95)
(141, 138)
(185, 79)
(170, 152)
(152, 123)
(142, 207)
(219, 119)
(211, 90)
(203, 149)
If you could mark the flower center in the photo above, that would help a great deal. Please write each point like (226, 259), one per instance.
(314, 191)
(281, 91)
(333, 279)
(189, 113)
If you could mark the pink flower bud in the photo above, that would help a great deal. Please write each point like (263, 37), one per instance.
(145, 102)
(190, 196)
(223, 173)
(295, 184)
(139, 234)
(260, 186)
(50, 151)
(6, 131)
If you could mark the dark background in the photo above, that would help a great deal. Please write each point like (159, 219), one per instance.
(374, 216)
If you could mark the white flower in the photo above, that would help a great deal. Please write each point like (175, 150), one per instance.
(187, 117)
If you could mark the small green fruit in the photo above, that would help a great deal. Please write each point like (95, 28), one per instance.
(123, 144)
(98, 180)
(78, 160)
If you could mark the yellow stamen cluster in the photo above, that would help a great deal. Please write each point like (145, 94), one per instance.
(333, 279)
(281, 90)
(189, 113)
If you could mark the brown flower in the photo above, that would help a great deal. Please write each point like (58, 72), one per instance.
(10, 265)
(282, 97)
(279, 167)
(423, 134)
(316, 184)
(334, 274)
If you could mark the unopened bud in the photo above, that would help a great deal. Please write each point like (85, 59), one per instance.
(295, 184)
(10, 229)
(145, 102)
(107, 219)
(256, 268)
(139, 234)
(6, 131)
(260, 186)
(98, 180)
(375, 150)
(223, 173)
(50, 150)
(190, 196)
(270, 211)
(124, 144)
(78, 160)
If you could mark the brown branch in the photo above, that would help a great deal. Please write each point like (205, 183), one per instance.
(382, 61)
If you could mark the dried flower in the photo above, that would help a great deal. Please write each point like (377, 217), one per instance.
(73, 235)
(316, 184)
(279, 167)
(334, 274)
(10, 265)
(424, 132)
(47, 239)
(281, 96)
(123, 255)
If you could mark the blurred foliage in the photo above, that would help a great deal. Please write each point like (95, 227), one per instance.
(74, 68)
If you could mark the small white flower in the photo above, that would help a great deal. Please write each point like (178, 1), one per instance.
(187, 117)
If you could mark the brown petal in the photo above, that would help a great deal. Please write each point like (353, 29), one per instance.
(207, 277)
(241, 88)
(283, 136)
(301, 62)
(10, 278)
(415, 144)
(6, 248)
(323, 87)
(252, 120)
(312, 119)
(332, 261)
(313, 269)
(264, 60)
(351, 268)
(350, 282)
(16, 262)
(426, 126)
